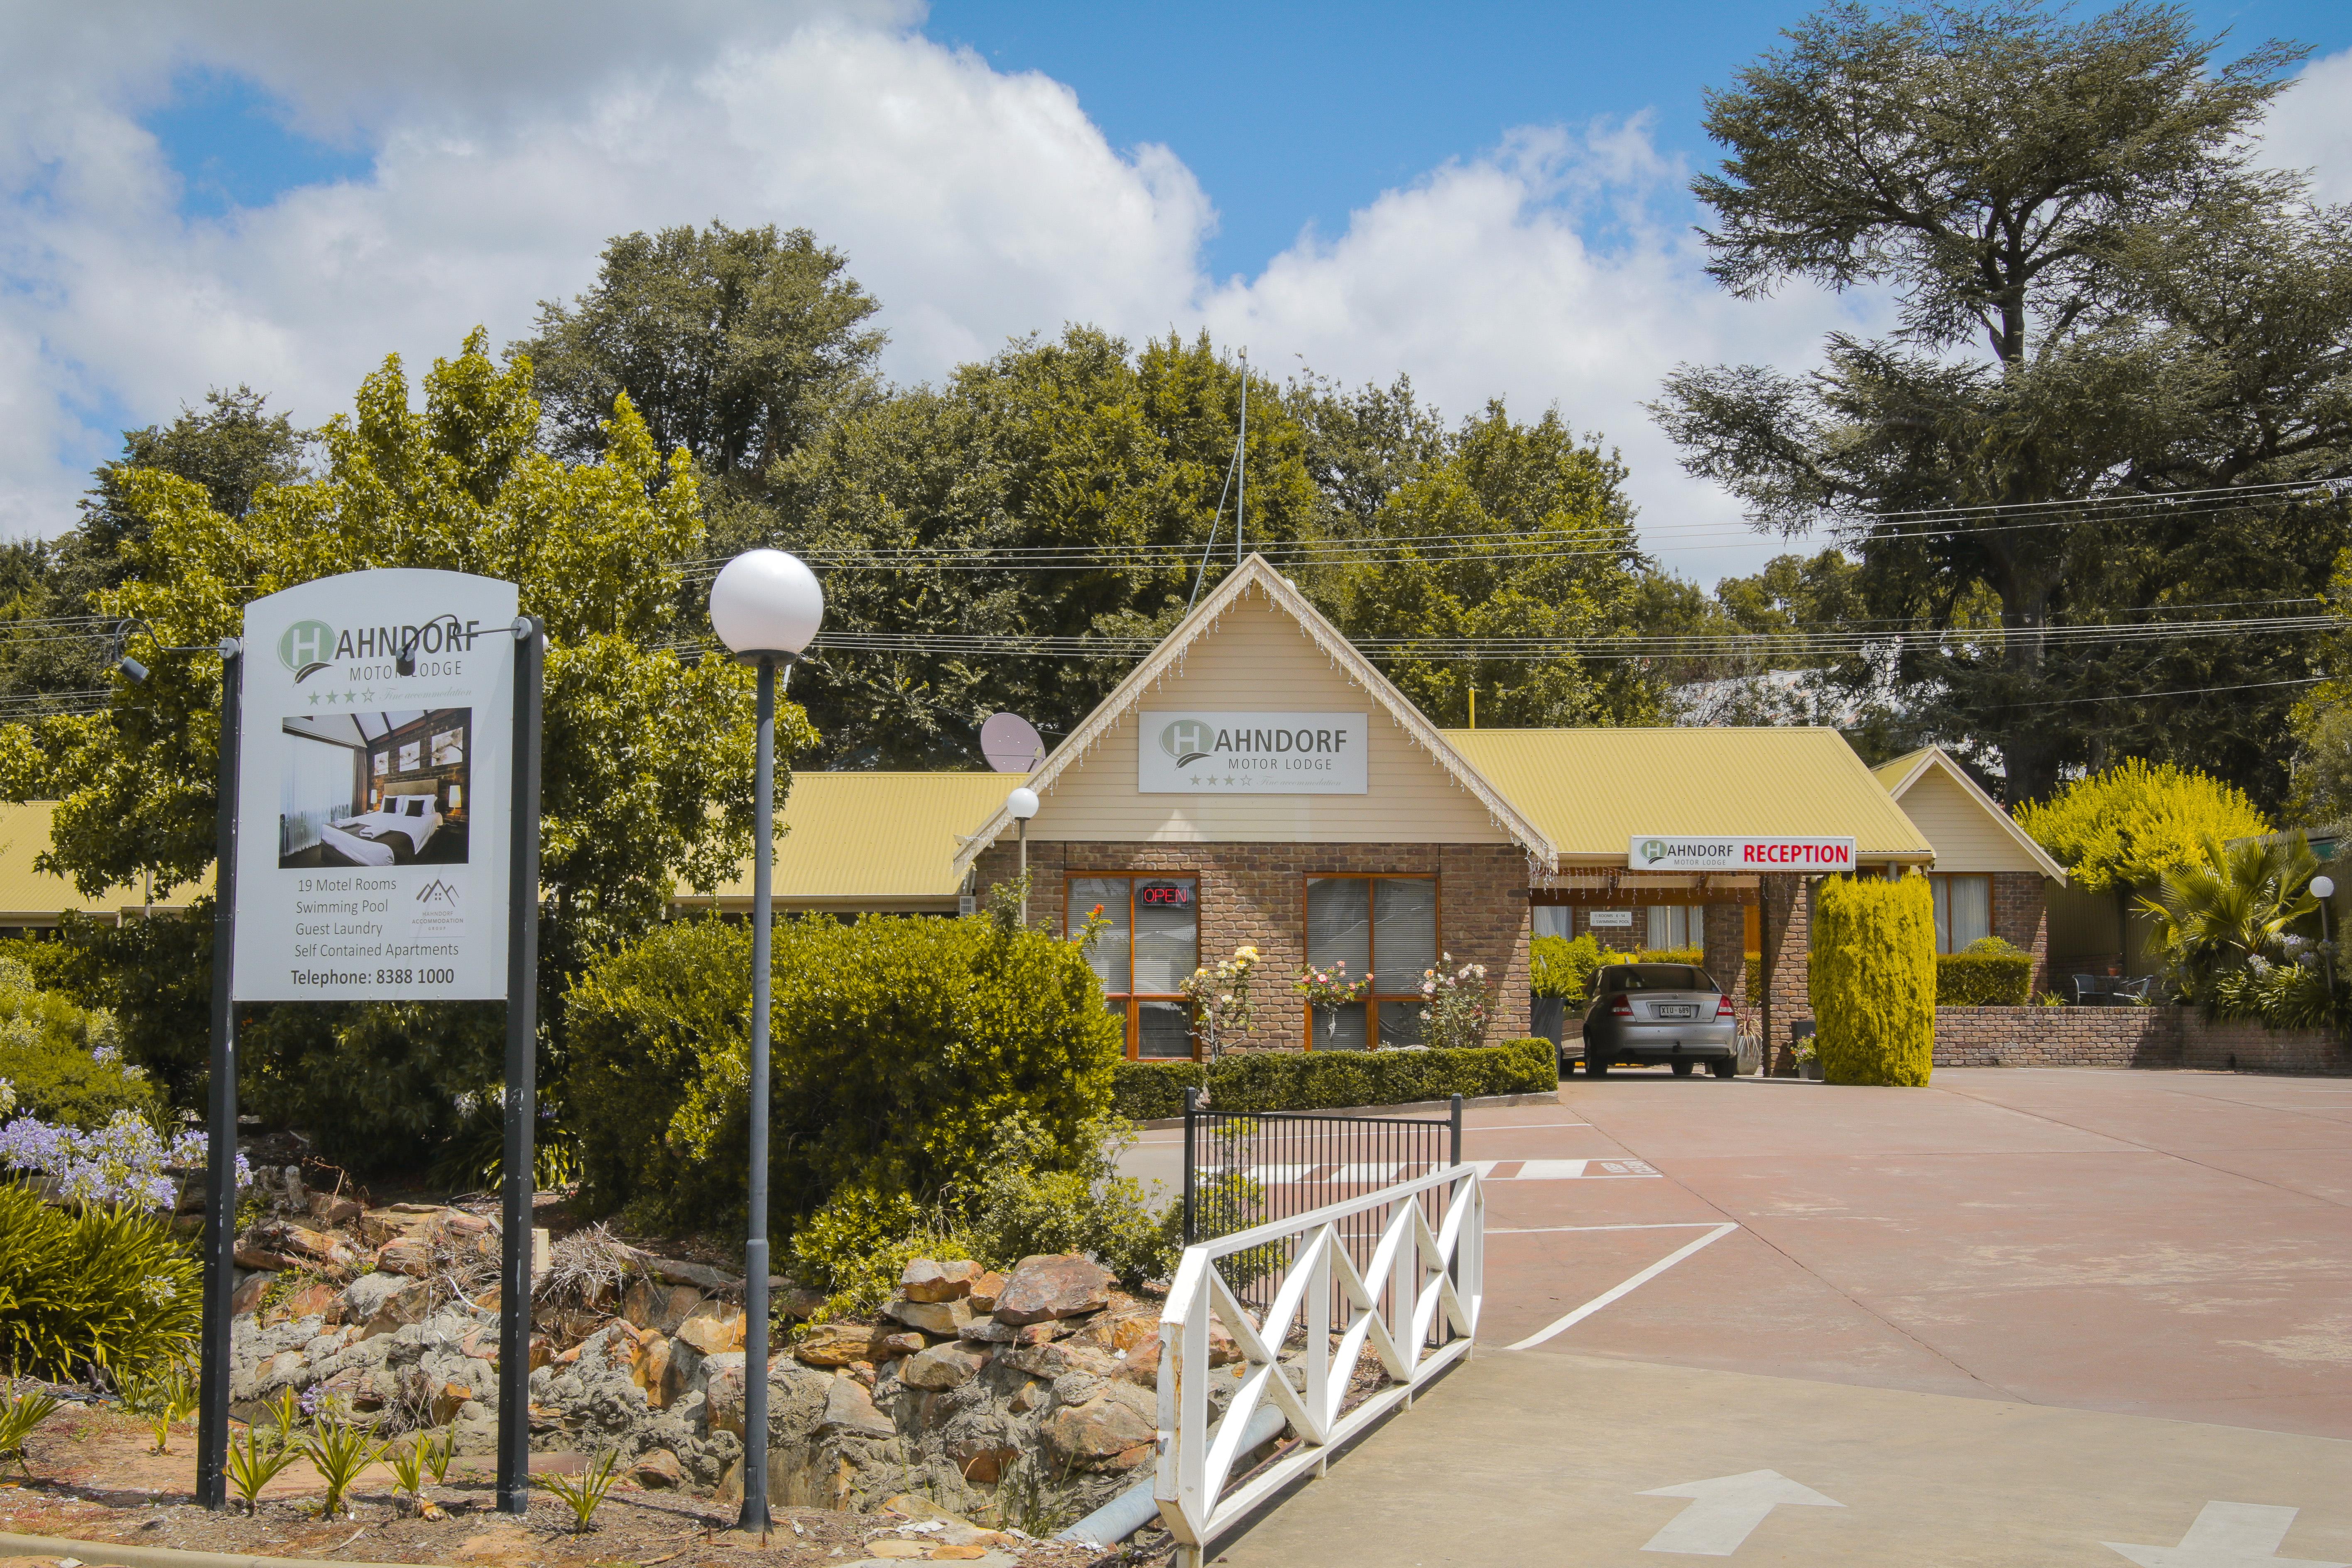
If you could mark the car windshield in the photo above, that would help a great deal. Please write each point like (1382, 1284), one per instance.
(1655, 977)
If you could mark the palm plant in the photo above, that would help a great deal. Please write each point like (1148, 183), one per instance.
(2234, 907)
(435, 1453)
(166, 1399)
(339, 1451)
(17, 1419)
(586, 1494)
(409, 1467)
(254, 1464)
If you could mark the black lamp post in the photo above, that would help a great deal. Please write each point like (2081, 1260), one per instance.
(765, 607)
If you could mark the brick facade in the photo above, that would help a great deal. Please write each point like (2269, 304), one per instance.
(1256, 893)
(1785, 954)
(2128, 1037)
(2020, 916)
(1726, 957)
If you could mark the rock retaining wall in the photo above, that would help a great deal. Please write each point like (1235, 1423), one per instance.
(2128, 1037)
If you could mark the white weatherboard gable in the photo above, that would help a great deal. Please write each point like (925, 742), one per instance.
(1256, 642)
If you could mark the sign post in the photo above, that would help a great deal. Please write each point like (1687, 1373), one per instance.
(373, 725)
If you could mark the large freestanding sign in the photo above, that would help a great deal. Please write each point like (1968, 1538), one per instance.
(373, 811)
(378, 840)
(1253, 753)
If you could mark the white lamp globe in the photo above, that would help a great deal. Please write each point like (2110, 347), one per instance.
(765, 601)
(2323, 887)
(1021, 803)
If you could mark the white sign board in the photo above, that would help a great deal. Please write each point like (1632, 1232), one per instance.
(1253, 753)
(1609, 918)
(373, 807)
(1669, 852)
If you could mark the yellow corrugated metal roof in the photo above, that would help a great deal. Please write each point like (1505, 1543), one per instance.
(1895, 774)
(1591, 791)
(874, 838)
(23, 833)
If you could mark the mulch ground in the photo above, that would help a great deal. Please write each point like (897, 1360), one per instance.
(93, 1478)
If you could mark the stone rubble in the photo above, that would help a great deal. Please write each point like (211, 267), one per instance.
(1025, 1399)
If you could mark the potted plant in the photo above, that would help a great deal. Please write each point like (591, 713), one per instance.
(1800, 1046)
(1327, 991)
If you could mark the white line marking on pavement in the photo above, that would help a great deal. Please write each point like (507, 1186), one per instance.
(1726, 1510)
(1539, 1126)
(2226, 1535)
(1556, 1229)
(1635, 1283)
(1569, 1170)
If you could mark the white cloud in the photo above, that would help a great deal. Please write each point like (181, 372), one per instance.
(2310, 127)
(977, 204)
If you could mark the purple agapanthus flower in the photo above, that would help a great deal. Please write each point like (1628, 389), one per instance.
(126, 1161)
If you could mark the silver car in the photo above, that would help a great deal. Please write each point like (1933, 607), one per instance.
(1649, 1013)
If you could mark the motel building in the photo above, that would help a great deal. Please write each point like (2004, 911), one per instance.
(1256, 781)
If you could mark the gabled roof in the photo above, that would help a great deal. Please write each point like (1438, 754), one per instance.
(1255, 576)
(1908, 769)
(869, 841)
(1591, 791)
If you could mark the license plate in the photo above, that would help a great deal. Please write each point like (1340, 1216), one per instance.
(1671, 1010)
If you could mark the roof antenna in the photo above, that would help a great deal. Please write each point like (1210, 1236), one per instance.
(1217, 518)
(1241, 444)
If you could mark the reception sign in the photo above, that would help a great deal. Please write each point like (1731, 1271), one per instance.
(1667, 852)
(373, 815)
(1253, 753)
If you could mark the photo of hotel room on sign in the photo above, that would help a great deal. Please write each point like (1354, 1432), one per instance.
(375, 789)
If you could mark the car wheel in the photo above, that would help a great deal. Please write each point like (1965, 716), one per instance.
(1682, 1066)
(1595, 1065)
(1723, 1067)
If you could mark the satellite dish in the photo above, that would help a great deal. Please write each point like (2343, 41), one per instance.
(1010, 744)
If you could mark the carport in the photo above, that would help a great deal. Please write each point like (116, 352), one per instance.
(1635, 812)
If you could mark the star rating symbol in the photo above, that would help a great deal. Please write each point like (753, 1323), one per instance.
(1196, 780)
(314, 700)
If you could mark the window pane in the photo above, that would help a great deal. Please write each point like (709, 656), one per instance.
(1942, 889)
(1117, 1007)
(1339, 923)
(1404, 932)
(1552, 920)
(1167, 932)
(1110, 953)
(1163, 1030)
(1971, 916)
(1339, 1029)
(1661, 926)
(1400, 1025)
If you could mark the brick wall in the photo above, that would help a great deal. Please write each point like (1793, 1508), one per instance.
(1726, 957)
(1786, 952)
(1256, 893)
(2021, 915)
(2128, 1037)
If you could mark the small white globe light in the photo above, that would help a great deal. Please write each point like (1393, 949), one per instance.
(2323, 887)
(1021, 803)
(765, 601)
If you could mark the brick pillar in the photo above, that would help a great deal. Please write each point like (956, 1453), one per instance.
(1726, 956)
(1788, 905)
(2020, 914)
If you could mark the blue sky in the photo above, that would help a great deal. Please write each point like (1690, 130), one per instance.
(1488, 198)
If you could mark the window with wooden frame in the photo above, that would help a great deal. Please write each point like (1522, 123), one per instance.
(1382, 926)
(1963, 909)
(1150, 944)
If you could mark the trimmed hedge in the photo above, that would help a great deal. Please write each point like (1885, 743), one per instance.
(1319, 1080)
(1874, 979)
(1983, 979)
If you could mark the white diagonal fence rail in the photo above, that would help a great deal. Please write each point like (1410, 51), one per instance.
(1413, 1300)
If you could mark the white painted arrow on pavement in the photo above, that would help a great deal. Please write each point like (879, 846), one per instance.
(2226, 1535)
(1723, 1511)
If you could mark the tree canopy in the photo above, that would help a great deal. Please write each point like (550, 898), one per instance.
(2134, 822)
(2119, 349)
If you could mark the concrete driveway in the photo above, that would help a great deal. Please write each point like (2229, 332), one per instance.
(2007, 1291)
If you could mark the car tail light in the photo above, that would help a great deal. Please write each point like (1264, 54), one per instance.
(1723, 1007)
(1623, 1007)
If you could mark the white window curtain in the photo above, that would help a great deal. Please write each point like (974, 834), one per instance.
(1676, 925)
(1963, 912)
(1552, 920)
(315, 787)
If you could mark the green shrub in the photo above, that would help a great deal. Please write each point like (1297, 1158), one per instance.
(1020, 1207)
(1315, 1080)
(1874, 979)
(64, 1059)
(98, 1288)
(1559, 967)
(1990, 973)
(900, 1048)
(1668, 956)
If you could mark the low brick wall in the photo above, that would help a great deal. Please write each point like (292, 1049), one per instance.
(2057, 1038)
(2127, 1037)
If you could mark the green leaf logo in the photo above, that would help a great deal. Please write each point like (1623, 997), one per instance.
(1654, 849)
(1186, 739)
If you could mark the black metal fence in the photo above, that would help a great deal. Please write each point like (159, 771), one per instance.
(1244, 1169)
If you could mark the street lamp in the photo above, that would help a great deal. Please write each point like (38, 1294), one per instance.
(1023, 804)
(2323, 888)
(765, 607)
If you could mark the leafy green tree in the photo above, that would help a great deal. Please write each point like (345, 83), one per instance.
(735, 344)
(647, 771)
(2100, 299)
(2136, 821)
(2231, 905)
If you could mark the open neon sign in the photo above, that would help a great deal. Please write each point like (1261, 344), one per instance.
(1163, 894)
